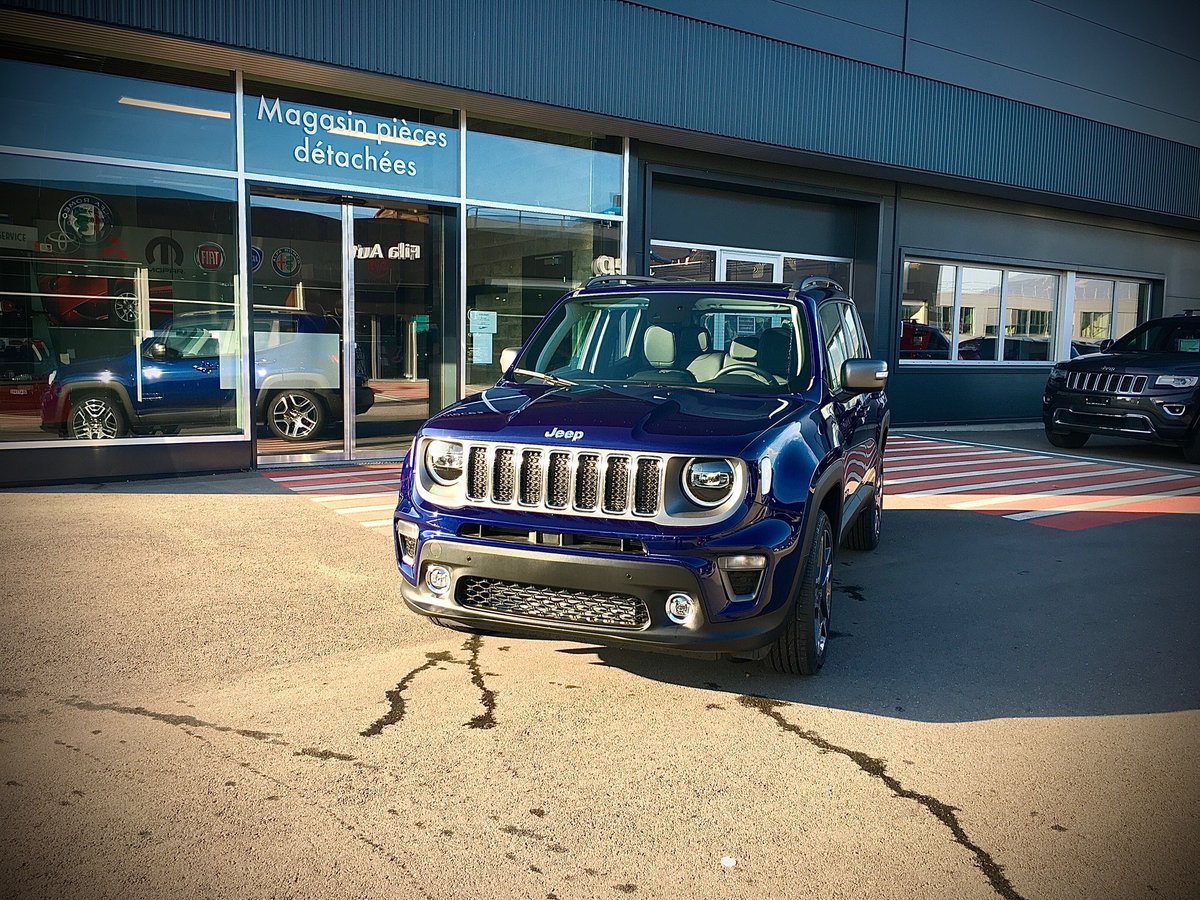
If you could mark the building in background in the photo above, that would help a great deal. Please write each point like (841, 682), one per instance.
(235, 235)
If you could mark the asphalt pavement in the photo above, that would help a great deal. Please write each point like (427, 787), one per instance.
(208, 687)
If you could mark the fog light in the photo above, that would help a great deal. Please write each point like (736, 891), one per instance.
(680, 608)
(744, 561)
(437, 579)
(1174, 409)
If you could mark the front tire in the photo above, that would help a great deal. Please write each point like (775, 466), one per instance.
(800, 647)
(295, 415)
(1191, 450)
(1067, 440)
(96, 416)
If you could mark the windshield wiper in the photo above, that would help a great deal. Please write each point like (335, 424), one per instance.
(548, 378)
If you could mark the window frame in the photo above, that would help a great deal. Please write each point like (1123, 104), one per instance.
(1063, 310)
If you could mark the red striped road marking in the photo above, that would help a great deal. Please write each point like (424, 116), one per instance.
(360, 493)
(1051, 489)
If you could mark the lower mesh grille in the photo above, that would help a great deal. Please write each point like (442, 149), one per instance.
(556, 604)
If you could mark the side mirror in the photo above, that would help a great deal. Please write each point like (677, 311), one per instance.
(508, 356)
(1106, 345)
(862, 375)
(156, 350)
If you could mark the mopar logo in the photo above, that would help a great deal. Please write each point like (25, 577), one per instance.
(566, 435)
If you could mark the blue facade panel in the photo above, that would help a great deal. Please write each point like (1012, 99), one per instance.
(645, 65)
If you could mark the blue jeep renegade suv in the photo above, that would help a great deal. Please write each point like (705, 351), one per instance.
(664, 465)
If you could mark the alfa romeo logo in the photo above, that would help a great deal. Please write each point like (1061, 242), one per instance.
(286, 262)
(86, 218)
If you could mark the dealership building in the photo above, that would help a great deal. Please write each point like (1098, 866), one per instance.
(269, 233)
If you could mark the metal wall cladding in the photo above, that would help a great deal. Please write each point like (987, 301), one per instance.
(630, 62)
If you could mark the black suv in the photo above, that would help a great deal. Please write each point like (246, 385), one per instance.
(1143, 386)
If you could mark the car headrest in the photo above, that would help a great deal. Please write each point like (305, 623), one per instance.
(744, 348)
(693, 340)
(659, 346)
(777, 352)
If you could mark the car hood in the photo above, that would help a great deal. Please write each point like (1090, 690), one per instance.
(652, 419)
(1173, 363)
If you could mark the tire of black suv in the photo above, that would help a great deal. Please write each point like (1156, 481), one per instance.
(864, 533)
(1191, 449)
(800, 647)
(295, 415)
(1067, 440)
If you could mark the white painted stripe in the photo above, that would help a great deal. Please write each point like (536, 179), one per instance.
(342, 485)
(1101, 504)
(953, 454)
(345, 511)
(333, 498)
(968, 462)
(913, 479)
(1003, 499)
(1041, 479)
(378, 523)
(341, 473)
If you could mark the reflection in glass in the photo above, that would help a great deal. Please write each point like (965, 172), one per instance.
(669, 261)
(48, 107)
(296, 289)
(518, 265)
(926, 328)
(1093, 314)
(979, 313)
(105, 258)
(399, 277)
(1029, 316)
(797, 268)
(1132, 306)
(537, 167)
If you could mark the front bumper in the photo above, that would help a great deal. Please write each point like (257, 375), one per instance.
(1165, 418)
(719, 626)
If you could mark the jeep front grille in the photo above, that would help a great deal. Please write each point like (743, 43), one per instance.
(556, 604)
(590, 482)
(1106, 382)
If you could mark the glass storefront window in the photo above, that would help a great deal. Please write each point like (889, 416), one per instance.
(1029, 316)
(48, 107)
(345, 140)
(927, 314)
(518, 264)
(118, 309)
(1106, 309)
(979, 313)
(536, 167)
(797, 268)
(671, 261)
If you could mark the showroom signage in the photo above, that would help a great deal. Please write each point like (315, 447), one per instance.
(345, 147)
(378, 251)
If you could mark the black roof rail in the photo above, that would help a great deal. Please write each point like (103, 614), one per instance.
(603, 280)
(818, 281)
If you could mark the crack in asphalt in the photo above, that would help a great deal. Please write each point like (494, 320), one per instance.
(395, 697)
(397, 705)
(172, 719)
(487, 718)
(187, 722)
(876, 768)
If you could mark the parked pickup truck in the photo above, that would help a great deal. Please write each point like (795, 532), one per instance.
(665, 465)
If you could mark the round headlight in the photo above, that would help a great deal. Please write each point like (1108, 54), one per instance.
(444, 461)
(708, 482)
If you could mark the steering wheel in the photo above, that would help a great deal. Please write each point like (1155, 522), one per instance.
(748, 369)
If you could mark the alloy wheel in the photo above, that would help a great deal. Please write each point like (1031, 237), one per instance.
(295, 416)
(95, 419)
(823, 590)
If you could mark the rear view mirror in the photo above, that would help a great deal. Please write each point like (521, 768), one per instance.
(1106, 345)
(862, 375)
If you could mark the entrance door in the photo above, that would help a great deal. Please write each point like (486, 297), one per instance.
(344, 294)
(398, 286)
(740, 265)
(299, 305)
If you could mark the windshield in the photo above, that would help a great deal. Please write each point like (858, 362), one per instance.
(730, 344)
(1163, 336)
